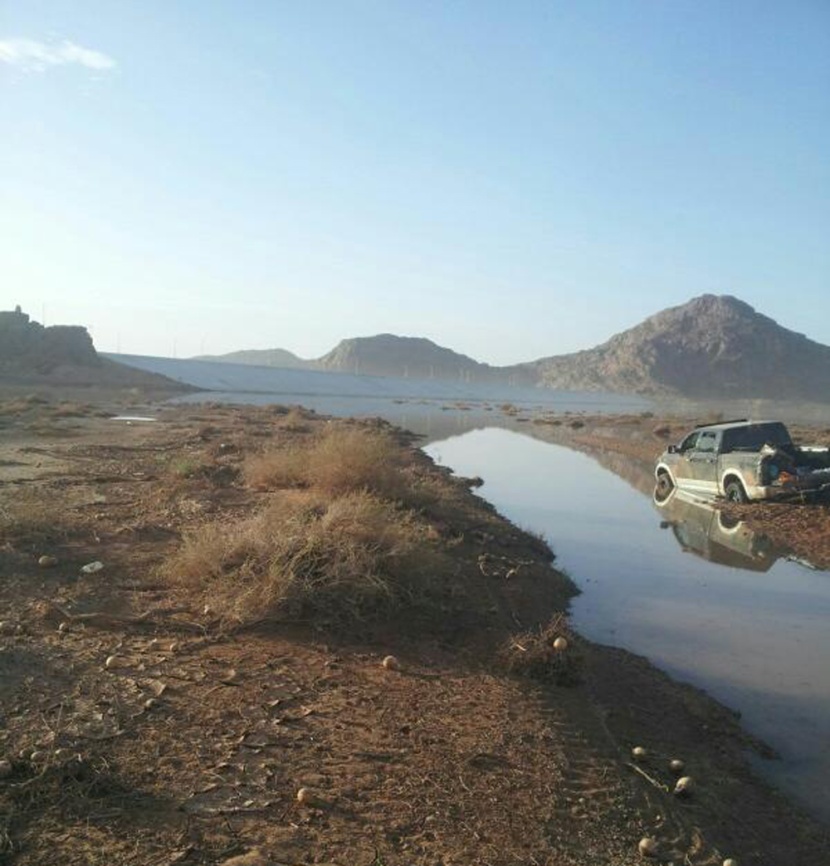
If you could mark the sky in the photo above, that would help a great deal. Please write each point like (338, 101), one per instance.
(509, 179)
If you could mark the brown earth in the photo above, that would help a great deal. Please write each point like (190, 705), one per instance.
(191, 745)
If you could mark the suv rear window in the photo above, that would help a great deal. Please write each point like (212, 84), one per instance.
(754, 436)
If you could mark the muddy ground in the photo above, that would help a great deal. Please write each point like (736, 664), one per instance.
(190, 745)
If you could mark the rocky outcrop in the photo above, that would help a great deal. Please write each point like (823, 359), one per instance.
(712, 347)
(29, 346)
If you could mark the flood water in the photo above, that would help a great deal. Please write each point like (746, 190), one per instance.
(712, 604)
(708, 601)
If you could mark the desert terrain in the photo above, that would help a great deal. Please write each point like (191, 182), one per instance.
(259, 635)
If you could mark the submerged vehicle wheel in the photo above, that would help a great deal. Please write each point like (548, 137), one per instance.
(735, 492)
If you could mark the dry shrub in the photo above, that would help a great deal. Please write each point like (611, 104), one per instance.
(341, 460)
(307, 556)
(532, 654)
(286, 467)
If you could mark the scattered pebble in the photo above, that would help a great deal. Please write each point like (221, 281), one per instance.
(6, 769)
(111, 662)
(91, 567)
(647, 846)
(150, 704)
(677, 766)
(730, 861)
(684, 786)
(560, 644)
(390, 663)
(47, 561)
(305, 796)
(639, 753)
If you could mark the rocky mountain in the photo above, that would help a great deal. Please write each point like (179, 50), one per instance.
(262, 358)
(408, 357)
(28, 345)
(64, 356)
(711, 347)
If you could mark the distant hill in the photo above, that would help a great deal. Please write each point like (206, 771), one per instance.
(27, 345)
(408, 358)
(262, 358)
(64, 355)
(711, 347)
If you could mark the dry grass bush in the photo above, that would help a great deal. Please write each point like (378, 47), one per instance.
(307, 556)
(532, 655)
(341, 460)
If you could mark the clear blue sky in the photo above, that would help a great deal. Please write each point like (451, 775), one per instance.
(510, 179)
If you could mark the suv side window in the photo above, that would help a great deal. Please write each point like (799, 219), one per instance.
(689, 443)
(707, 442)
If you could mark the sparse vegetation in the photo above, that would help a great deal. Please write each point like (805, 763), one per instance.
(341, 460)
(307, 554)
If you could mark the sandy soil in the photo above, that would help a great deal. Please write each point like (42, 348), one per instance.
(190, 746)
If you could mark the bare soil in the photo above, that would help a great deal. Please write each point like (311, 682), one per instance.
(139, 729)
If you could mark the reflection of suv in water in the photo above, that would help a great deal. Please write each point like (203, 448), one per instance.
(743, 460)
(703, 529)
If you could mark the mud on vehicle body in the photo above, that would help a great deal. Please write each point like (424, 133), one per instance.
(742, 461)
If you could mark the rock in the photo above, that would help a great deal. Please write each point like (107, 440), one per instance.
(47, 561)
(6, 769)
(560, 644)
(648, 847)
(676, 766)
(391, 663)
(91, 567)
(685, 785)
(730, 861)
(306, 797)
(639, 753)
(111, 662)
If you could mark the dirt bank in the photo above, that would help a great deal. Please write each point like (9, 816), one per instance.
(144, 725)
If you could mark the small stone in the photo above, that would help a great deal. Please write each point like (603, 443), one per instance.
(37, 756)
(677, 766)
(150, 704)
(111, 662)
(305, 796)
(639, 753)
(47, 561)
(391, 663)
(6, 769)
(560, 644)
(648, 847)
(91, 567)
(684, 786)
(730, 861)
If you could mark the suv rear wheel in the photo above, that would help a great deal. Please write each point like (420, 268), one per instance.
(734, 491)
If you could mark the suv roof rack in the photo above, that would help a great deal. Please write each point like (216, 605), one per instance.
(717, 423)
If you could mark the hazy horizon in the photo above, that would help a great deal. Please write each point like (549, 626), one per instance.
(511, 182)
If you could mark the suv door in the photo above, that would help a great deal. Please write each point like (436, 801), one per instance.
(703, 463)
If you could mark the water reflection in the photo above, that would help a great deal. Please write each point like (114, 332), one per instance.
(701, 528)
(740, 618)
